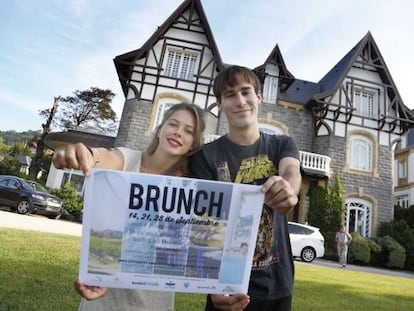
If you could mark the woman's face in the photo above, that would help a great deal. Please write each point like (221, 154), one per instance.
(176, 136)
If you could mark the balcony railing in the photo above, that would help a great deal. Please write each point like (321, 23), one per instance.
(315, 163)
(312, 163)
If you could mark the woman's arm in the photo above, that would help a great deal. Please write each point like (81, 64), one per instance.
(80, 157)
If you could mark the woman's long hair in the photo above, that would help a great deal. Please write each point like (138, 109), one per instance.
(180, 168)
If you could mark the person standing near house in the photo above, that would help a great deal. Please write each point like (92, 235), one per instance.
(342, 239)
(176, 138)
(246, 155)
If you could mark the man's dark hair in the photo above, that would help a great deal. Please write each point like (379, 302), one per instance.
(231, 76)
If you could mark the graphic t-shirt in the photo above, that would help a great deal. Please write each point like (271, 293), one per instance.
(222, 160)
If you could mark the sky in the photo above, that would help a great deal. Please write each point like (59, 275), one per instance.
(54, 47)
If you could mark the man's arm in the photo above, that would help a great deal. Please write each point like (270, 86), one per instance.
(282, 192)
(289, 169)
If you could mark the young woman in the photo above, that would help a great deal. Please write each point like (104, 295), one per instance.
(176, 138)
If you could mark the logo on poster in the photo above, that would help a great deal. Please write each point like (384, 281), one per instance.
(176, 200)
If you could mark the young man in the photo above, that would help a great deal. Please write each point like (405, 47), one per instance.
(245, 155)
(342, 239)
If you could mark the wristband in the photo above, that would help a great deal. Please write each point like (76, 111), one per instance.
(95, 155)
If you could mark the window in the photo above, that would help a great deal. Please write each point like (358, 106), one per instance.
(365, 103)
(402, 201)
(180, 64)
(358, 217)
(360, 153)
(270, 89)
(270, 129)
(294, 229)
(402, 169)
(75, 178)
(160, 112)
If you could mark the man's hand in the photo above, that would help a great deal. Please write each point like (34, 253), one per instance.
(89, 292)
(279, 194)
(230, 303)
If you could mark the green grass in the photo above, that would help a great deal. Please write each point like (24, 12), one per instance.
(37, 270)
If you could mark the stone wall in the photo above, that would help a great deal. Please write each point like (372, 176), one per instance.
(133, 129)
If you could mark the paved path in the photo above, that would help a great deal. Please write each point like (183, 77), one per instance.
(336, 265)
(40, 223)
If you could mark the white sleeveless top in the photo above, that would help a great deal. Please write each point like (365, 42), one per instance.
(130, 299)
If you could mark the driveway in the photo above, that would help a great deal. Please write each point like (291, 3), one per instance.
(39, 223)
(336, 265)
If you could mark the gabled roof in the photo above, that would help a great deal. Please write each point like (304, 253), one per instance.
(299, 92)
(333, 79)
(275, 58)
(124, 63)
(330, 83)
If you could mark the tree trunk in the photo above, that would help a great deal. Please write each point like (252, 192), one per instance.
(36, 164)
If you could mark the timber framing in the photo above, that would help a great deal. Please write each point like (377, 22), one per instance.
(392, 117)
(196, 21)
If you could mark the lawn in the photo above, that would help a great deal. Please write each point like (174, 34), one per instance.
(37, 270)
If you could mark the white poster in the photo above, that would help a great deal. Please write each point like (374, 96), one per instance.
(155, 232)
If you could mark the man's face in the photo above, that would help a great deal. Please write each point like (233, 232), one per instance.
(240, 104)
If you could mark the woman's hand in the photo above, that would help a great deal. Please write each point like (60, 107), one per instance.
(75, 156)
(89, 292)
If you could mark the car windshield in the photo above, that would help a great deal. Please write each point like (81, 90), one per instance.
(36, 186)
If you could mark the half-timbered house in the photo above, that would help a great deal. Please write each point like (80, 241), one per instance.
(348, 123)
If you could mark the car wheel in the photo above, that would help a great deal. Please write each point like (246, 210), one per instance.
(23, 207)
(308, 254)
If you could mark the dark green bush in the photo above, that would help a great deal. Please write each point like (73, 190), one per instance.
(392, 254)
(407, 214)
(359, 251)
(375, 251)
(403, 233)
(72, 201)
(325, 212)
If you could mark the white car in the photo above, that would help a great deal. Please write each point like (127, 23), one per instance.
(307, 241)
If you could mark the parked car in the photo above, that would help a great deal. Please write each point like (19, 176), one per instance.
(307, 242)
(26, 196)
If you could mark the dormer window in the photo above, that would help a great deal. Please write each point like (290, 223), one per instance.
(181, 64)
(270, 89)
(366, 102)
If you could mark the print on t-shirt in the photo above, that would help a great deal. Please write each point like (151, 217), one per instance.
(254, 169)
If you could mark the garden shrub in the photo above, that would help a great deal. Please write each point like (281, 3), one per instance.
(325, 212)
(403, 233)
(375, 251)
(72, 201)
(392, 254)
(407, 214)
(359, 251)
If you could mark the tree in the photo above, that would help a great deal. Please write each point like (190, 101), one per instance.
(89, 108)
(19, 149)
(36, 164)
(326, 211)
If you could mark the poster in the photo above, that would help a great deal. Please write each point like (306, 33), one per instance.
(154, 232)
